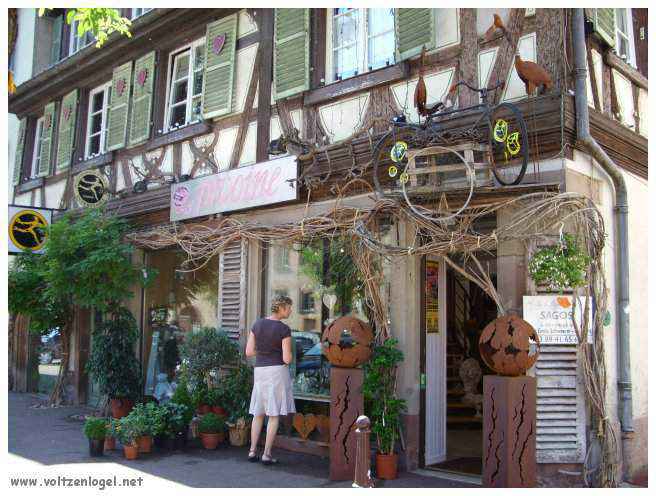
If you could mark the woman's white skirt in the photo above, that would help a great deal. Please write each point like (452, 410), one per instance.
(272, 391)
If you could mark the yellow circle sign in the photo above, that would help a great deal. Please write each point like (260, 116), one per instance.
(27, 230)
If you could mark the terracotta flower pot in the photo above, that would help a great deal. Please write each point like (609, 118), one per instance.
(120, 407)
(203, 409)
(110, 443)
(96, 447)
(211, 441)
(218, 410)
(386, 466)
(145, 444)
(131, 451)
(239, 435)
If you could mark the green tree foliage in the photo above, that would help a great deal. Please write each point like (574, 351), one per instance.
(205, 351)
(100, 22)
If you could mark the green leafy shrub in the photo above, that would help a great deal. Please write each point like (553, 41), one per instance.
(112, 362)
(200, 395)
(178, 417)
(128, 430)
(207, 350)
(95, 428)
(237, 387)
(211, 423)
(181, 394)
(379, 389)
(562, 266)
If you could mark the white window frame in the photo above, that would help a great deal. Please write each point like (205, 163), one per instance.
(362, 45)
(72, 47)
(139, 11)
(628, 36)
(106, 89)
(169, 83)
(36, 152)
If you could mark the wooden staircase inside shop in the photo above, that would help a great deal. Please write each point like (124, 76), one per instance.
(458, 413)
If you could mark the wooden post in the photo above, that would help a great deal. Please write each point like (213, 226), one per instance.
(346, 405)
(509, 405)
(362, 453)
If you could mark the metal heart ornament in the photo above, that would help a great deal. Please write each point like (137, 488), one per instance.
(329, 300)
(217, 43)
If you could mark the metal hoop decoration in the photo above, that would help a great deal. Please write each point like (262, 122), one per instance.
(412, 154)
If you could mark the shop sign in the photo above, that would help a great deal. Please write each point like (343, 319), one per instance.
(265, 183)
(551, 316)
(91, 188)
(432, 301)
(28, 228)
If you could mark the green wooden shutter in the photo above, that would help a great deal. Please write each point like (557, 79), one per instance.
(55, 49)
(118, 111)
(20, 149)
(46, 140)
(415, 28)
(142, 98)
(292, 51)
(603, 21)
(66, 134)
(219, 69)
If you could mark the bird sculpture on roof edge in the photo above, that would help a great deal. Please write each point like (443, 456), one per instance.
(421, 93)
(532, 75)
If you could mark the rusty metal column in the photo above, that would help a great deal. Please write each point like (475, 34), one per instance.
(362, 453)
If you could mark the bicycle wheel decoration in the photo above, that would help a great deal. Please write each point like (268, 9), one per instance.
(508, 141)
(392, 171)
(388, 160)
(398, 151)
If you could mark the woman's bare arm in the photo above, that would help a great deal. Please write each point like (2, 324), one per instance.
(287, 350)
(250, 345)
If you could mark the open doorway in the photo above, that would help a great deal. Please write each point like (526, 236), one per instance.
(468, 310)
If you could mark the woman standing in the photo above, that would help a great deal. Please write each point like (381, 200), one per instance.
(270, 342)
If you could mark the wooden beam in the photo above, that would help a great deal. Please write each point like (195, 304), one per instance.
(507, 50)
(593, 80)
(248, 106)
(549, 23)
(318, 43)
(625, 69)
(469, 56)
(265, 72)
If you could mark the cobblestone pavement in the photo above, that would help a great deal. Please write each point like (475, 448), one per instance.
(52, 437)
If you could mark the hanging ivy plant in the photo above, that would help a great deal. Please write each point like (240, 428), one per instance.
(562, 266)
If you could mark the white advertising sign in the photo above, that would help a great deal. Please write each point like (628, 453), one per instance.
(235, 189)
(551, 316)
(28, 228)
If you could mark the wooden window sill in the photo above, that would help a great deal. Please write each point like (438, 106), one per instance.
(31, 184)
(357, 83)
(92, 163)
(181, 134)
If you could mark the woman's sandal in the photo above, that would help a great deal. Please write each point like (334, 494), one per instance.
(252, 457)
(270, 461)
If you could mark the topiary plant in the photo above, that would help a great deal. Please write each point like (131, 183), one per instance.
(95, 428)
(559, 267)
(207, 350)
(211, 423)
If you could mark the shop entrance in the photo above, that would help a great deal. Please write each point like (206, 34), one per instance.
(454, 372)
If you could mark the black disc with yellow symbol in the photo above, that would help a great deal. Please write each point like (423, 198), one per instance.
(28, 230)
(508, 143)
(91, 188)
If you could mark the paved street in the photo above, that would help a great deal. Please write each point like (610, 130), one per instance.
(52, 437)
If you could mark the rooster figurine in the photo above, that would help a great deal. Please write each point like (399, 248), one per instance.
(421, 93)
(532, 75)
(497, 24)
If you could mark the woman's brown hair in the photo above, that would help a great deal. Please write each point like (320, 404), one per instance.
(279, 302)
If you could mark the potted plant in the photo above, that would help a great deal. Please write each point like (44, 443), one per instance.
(149, 421)
(200, 399)
(112, 362)
(127, 434)
(176, 427)
(211, 428)
(561, 266)
(216, 399)
(95, 429)
(111, 435)
(379, 389)
(238, 385)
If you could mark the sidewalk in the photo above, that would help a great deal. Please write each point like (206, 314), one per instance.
(49, 436)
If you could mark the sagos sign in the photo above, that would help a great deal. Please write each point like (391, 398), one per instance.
(245, 187)
(551, 316)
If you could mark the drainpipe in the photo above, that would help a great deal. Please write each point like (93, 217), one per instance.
(625, 406)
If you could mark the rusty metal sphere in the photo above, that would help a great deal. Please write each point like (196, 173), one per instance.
(347, 342)
(505, 345)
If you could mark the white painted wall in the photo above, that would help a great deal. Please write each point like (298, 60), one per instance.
(22, 67)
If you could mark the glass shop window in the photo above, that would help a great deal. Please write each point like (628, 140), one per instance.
(324, 284)
(176, 303)
(186, 85)
(362, 40)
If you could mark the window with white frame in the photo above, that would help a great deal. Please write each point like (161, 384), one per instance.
(624, 35)
(138, 12)
(36, 153)
(77, 42)
(362, 40)
(97, 120)
(185, 88)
